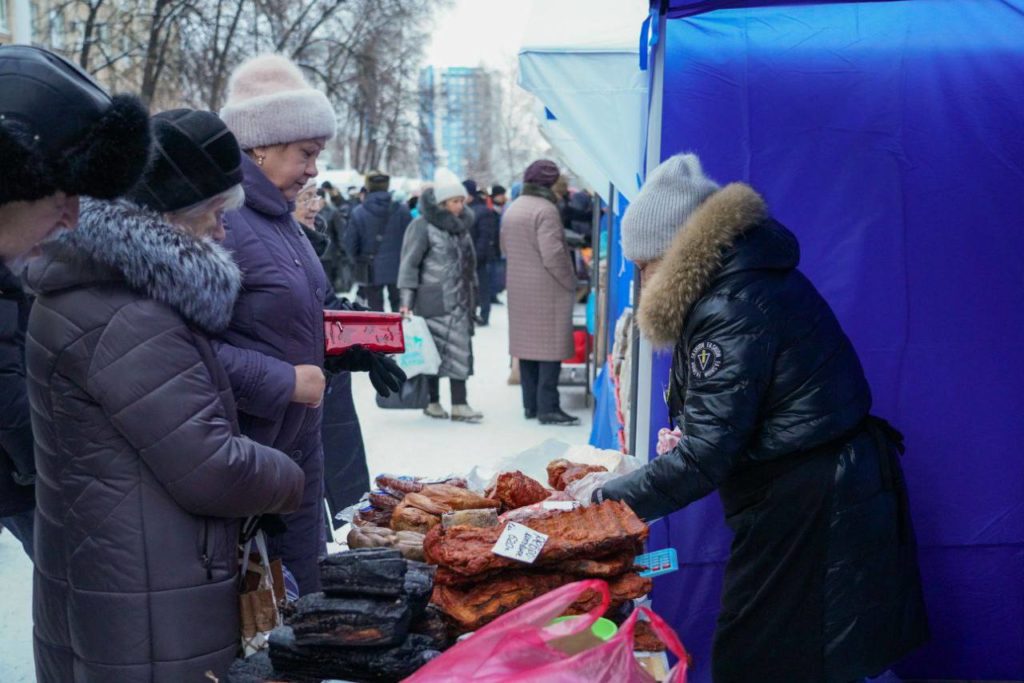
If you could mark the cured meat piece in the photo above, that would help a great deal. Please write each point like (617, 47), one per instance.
(409, 518)
(645, 640)
(418, 500)
(365, 571)
(419, 584)
(600, 568)
(480, 518)
(370, 537)
(382, 500)
(410, 544)
(350, 622)
(472, 607)
(431, 624)
(457, 498)
(316, 663)
(398, 486)
(542, 508)
(516, 490)
(593, 531)
(372, 516)
(561, 472)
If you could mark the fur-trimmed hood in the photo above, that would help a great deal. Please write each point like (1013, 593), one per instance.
(442, 218)
(121, 241)
(703, 250)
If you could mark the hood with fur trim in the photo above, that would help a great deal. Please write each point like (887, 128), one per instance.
(696, 257)
(121, 241)
(440, 217)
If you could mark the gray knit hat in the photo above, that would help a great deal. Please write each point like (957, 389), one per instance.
(672, 193)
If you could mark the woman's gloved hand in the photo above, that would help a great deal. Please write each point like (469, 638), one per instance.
(385, 374)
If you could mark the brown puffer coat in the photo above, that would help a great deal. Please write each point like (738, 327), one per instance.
(541, 281)
(142, 476)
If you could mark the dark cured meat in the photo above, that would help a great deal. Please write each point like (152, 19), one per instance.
(475, 606)
(645, 640)
(363, 572)
(349, 622)
(382, 500)
(593, 531)
(516, 490)
(599, 568)
(398, 486)
(431, 624)
(316, 663)
(419, 584)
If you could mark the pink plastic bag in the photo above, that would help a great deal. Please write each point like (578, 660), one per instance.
(516, 647)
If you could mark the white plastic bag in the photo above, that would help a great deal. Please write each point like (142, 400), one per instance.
(421, 356)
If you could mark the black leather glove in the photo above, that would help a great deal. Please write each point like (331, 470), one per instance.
(385, 375)
(346, 304)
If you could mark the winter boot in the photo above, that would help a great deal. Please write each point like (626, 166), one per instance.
(435, 411)
(559, 418)
(463, 413)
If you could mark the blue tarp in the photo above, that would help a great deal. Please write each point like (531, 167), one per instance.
(889, 136)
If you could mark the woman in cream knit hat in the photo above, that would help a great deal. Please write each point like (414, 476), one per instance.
(274, 348)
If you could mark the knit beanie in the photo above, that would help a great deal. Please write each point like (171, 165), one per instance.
(671, 194)
(270, 102)
(471, 187)
(497, 191)
(195, 158)
(541, 172)
(59, 130)
(447, 186)
(377, 181)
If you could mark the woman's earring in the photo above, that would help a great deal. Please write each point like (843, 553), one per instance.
(260, 158)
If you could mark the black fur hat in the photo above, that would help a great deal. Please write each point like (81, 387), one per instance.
(59, 130)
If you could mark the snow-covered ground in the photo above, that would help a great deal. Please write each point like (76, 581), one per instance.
(403, 442)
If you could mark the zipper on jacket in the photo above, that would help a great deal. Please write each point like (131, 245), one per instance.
(207, 560)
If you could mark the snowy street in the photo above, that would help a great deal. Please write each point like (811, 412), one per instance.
(402, 442)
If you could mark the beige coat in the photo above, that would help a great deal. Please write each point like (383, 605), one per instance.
(541, 279)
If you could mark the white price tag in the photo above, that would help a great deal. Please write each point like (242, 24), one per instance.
(520, 542)
(564, 505)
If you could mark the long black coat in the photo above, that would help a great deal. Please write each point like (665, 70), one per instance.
(822, 581)
(142, 475)
(377, 216)
(16, 457)
(485, 231)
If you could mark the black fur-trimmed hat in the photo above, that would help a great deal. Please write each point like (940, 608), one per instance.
(59, 130)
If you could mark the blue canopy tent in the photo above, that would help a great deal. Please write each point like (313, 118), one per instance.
(889, 136)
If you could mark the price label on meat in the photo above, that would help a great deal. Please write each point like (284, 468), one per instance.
(520, 542)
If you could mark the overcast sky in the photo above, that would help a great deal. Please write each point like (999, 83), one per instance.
(475, 31)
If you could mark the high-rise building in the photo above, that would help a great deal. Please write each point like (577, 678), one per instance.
(15, 21)
(458, 113)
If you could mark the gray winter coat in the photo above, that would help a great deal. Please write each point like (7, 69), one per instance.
(141, 472)
(438, 282)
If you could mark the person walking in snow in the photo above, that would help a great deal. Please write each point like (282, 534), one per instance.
(437, 278)
(373, 239)
(541, 285)
(144, 476)
(485, 244)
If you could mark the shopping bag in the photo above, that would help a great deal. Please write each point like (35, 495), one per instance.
(421, 356)
(522, 646)
(414, 395)
(258, 595)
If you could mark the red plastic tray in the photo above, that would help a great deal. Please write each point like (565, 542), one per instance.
(376, 331)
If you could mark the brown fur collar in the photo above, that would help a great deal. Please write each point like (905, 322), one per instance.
(694, 258)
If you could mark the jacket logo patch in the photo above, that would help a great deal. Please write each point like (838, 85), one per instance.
(705, 359)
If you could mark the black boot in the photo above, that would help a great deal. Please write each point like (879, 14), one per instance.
(559, 418)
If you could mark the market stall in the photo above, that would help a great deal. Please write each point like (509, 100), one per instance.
(440, 577)
(887, 136)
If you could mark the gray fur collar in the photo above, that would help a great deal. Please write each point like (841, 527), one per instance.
(694, 258)
(197, 278)
(442, 218)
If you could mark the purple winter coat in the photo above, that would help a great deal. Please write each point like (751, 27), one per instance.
(278, 324)
(142, 475)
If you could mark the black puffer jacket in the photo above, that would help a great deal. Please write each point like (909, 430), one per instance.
(141, 472)
(822, 582)
(485, 231)
(16, 458)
